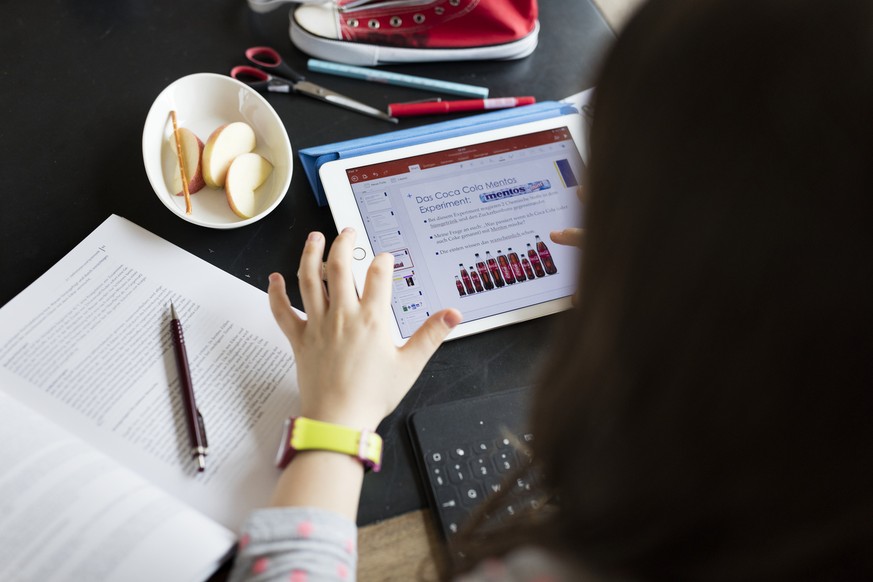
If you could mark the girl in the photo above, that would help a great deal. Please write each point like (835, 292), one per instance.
(708, 414)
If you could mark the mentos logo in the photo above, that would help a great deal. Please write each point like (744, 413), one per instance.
(505, 193)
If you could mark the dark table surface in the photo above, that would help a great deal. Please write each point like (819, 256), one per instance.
(78, 79)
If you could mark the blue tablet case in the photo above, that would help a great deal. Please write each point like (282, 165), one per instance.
(314, 157)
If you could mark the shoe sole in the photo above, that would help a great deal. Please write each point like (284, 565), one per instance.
(354, 53)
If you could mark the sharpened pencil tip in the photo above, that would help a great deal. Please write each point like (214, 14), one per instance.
(173, 311)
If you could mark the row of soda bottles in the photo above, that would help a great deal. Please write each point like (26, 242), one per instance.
(506, 269)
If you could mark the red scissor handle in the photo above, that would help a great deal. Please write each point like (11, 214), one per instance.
(249, 75)
(268, 59)
(254, 78)
(264, 56)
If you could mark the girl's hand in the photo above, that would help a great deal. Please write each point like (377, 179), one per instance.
(571, 237)
(349, 370)
(568, 236)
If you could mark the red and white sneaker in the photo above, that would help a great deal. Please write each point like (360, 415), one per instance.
(377, 32)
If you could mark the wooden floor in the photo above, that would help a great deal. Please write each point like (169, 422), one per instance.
(399, 549)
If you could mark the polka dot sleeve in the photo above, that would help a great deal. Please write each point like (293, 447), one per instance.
(296, 544)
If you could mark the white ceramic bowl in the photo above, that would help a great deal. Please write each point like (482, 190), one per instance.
(203, 102)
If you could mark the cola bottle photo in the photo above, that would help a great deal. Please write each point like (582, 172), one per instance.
(483, 273)
(545, 256)
(477, 283)
(505, 269)
(494, 269)
(460, 287)
(465, 277)
(517, 269)
(528, 270)
(535, 261)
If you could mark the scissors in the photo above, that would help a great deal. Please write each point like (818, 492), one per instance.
(274, 76)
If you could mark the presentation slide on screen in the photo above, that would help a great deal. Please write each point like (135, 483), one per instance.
(469, 228)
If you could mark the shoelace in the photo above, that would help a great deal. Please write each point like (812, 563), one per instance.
(350, 6)
(353, 5)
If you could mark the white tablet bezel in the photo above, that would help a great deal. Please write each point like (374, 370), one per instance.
(341, 199)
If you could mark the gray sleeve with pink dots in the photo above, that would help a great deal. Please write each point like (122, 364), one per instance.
(296, 544)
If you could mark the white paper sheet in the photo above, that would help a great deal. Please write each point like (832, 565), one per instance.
(71, 513)
(87, 345)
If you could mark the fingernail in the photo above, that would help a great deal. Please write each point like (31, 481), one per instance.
(313, 236)
(452, 318)
(273, 277)
(348, 229)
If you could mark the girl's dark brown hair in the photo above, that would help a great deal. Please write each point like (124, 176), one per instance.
(708, 414)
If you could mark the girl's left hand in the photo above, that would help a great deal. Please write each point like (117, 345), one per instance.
(348, 368)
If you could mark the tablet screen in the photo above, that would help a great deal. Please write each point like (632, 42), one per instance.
(469, 227)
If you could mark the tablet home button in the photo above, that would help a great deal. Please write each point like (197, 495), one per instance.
(359, 254)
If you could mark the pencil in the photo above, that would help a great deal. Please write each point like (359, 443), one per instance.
(387, 77)
(181, 164)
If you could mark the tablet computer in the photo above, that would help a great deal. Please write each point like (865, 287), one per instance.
(467, 220)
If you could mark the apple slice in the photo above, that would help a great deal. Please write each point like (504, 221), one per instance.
(246, 173)
(225, 144)
(192, 150)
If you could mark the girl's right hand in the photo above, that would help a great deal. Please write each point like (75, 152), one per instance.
(568, 236)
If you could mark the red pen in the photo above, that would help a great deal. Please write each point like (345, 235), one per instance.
(438, 107)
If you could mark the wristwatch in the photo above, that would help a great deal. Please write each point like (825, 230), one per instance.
(304, 434)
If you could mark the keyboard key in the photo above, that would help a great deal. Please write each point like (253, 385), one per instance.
(460, 453)
(447, 498)
(493, 486)
(458, 472)
(481, 447)
(435, 458)
(503, 442)
(438, 476)
(481, 467)
(505, 461)
(471, 495)
(452, 520)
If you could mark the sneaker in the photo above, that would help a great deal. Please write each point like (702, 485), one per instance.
(376, 32)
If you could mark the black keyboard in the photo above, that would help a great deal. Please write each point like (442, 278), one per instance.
(466, 450)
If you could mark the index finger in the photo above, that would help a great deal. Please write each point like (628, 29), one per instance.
(568, 236)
